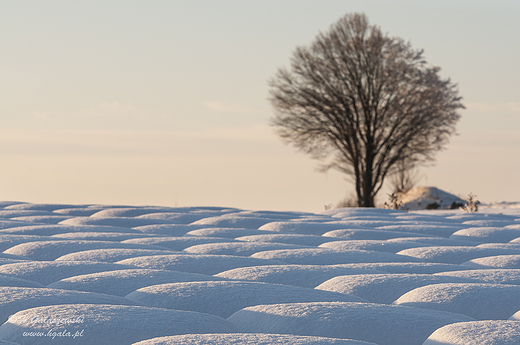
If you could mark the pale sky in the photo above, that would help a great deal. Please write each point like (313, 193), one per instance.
(165, 102)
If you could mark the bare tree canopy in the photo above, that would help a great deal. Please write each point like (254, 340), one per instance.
(363, 101)
(404, 178)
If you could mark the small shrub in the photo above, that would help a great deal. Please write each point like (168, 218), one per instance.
(472, 205)
(349, 201)
(393, 202)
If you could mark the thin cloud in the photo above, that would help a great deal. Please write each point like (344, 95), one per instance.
(234, 108)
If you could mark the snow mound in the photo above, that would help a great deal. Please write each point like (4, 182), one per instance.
(324, 256)
(173, 217)
(42, 219)
(49, 230)
(130, 211)
(203, 264)
(477, 332)
(176, 243)
(12, 256)
(426, 229)
(112, 254)
(97, 236)
(488, 222)
(298, 275)
(5, 261)
(394, 245)
(51, 250)
(233, 221)
(478, 300)
(15, 299)
(420, 198)
(509, 245)
(375, 245)
(37, 207)
(7, 224)
(223, 298)
(12, 281)
(124, 222)
(9, 214)
(167, 229)
(439, 241)
(378, 323)
(496, 276)
(46, 272)
(106, 324)
(455, 254)
(226, 232)
(122, 282)
(369, 234)
(487, 234)
(498, 261)
(184, 215)
(319, 228)
(358, 212)
(238, 248)
(247, 339)
(304, 240)
(383, 288)
(515, 317)
(77, 211)
(409, 267)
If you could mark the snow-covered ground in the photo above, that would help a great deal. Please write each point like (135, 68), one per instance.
(97, 274)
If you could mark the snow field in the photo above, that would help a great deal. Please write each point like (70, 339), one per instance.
(98, 274)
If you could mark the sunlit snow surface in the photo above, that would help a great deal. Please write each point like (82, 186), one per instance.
(97, 274)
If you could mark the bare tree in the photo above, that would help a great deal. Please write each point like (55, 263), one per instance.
(362, 101)
(404, 177)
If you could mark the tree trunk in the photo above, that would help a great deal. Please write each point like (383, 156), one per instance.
(368, 188)
(364, 192)
(369, 202)
(368, 199)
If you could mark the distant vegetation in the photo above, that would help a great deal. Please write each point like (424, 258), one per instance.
(472, 205)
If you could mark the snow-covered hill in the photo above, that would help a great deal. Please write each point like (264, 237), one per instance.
(420, 198)
(97, 274)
